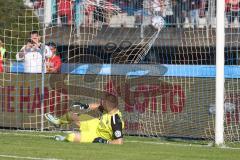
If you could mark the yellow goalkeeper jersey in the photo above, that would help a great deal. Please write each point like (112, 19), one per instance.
(110, 127)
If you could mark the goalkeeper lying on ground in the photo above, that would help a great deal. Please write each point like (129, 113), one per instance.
(106, 129)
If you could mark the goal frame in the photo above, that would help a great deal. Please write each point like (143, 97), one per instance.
(220, 43)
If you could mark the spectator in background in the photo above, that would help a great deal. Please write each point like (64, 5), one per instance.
(54, 9)
(168, 12)
(175, 10)
(2, 53)
(194, 13)
(39, 6)
(164, 9)
(93, 13)
(183, 7)
(79, 12)
(26, 48)
(32, 54)
(54, 62)
(232, 11)
(202, 8)
(157, 7)
(65, 11)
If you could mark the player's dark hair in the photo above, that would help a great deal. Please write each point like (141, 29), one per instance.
(34, 32)
(52, 44)
(112, 99)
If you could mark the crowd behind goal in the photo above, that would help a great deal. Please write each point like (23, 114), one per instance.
(177, 13)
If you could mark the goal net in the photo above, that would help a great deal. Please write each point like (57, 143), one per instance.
(231, 95)
(157, 57)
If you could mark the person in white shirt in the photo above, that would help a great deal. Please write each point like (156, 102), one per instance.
(157, 7)
(32, 54)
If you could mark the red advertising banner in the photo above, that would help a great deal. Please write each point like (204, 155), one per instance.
(156, 106)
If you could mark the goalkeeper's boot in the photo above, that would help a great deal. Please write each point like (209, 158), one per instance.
(54, 120)
(59, 138)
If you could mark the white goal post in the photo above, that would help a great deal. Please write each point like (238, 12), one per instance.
(220, 60)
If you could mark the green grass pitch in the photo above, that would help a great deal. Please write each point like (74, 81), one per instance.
(40, 146)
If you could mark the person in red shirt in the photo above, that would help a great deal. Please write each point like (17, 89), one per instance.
(2, 52)
(65, 11)
(232, 8)
(38, 4)
(53, 63)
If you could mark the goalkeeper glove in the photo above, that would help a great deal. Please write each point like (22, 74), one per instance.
(100, 140)
(77, 106)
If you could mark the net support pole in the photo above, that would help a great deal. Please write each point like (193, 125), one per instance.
(220, 43)
(47, 5)
(43, 85)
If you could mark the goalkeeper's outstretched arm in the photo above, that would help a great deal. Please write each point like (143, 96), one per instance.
(78, 106)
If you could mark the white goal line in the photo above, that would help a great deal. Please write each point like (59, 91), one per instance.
(127, 141)
(32, 158)
(183, 145)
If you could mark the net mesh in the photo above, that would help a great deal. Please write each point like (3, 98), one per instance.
(157, 56)
(231, 101)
